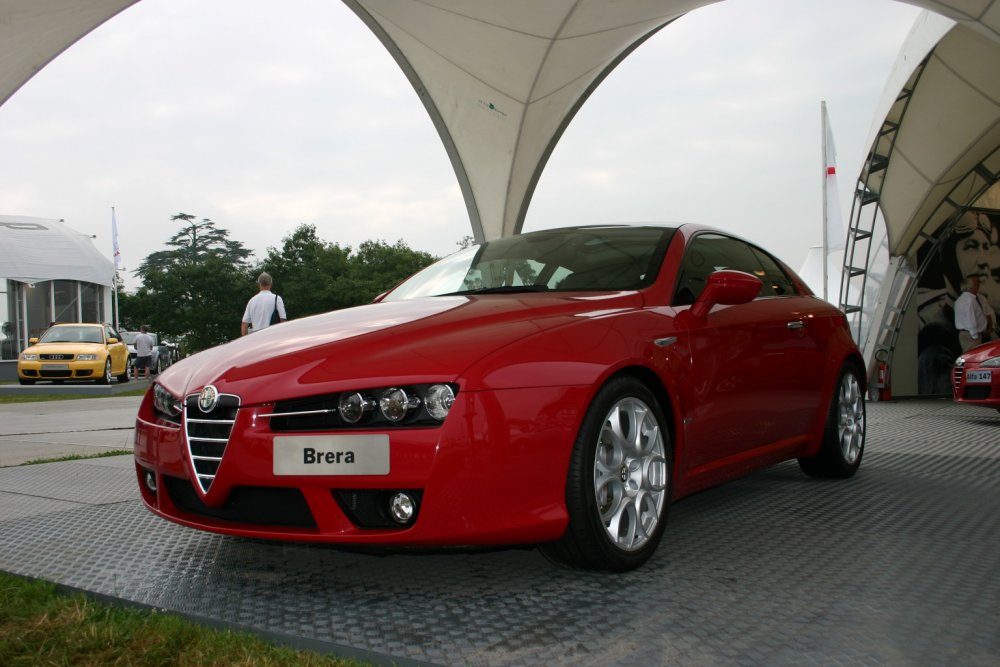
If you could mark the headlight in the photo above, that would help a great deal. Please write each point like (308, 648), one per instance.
(439, 400)
(353, 407)
(165, 402)
(395, 404)
(86, 357)
(992, 362)
(29, 357)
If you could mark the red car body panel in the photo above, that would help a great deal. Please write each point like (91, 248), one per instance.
(747, 387)
(979, 391)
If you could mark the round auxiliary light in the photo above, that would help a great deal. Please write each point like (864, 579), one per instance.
(439, 400)
(402, 507)
(150, 479)
(394, 404)
(352, 407)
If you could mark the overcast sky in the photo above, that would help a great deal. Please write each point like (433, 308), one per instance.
(263, 115)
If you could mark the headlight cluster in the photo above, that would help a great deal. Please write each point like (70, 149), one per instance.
(86, 357)
(166, 403)
(992, 362)
(405, 405)
(395, 403)
(29, 357)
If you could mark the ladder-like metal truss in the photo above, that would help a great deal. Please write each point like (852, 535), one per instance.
(866, 214)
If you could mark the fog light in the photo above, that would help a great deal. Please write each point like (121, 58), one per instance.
(150, 479)
(402, 507)
(395, 404)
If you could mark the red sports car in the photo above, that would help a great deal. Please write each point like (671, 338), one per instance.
(557, 388)
(976, 378)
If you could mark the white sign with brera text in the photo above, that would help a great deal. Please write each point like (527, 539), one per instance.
(331, 454)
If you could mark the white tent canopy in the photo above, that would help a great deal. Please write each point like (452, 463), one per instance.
(501, 80)
(34, 250)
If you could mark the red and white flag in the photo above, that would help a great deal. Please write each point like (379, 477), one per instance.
(116, 251)
(833, 224)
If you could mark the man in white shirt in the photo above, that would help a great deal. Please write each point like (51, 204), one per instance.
(970, 320)
(261, 307)
(144, 350)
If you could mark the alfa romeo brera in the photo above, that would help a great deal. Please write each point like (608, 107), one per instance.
(557, 388)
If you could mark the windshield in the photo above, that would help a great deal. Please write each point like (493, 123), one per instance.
(129, 337)
(574, 259)
(73, 335)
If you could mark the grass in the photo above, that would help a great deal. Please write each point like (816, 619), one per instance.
(41, 626)
(79, 457)
(36, 398)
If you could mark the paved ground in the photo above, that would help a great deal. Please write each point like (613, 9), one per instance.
(52, 429)
(898, 566)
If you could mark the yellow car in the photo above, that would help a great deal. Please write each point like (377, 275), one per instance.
(75, 352)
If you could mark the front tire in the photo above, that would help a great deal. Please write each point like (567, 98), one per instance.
(619, 482)
(844, 437)
(106, 378)
(127, 375)
(25, 381)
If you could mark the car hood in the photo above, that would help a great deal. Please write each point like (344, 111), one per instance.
(65, 348)
(402, 342)
(978, 355)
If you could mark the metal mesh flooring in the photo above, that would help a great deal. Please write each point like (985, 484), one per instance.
(898, 566)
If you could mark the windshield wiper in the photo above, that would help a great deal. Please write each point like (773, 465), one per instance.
(505, 289)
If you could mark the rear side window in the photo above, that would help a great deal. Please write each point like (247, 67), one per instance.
(710, 252)
(776, 281)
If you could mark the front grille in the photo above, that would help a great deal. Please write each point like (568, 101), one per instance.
(956, 377)
(208, 434)
(977, 392)
(56, 357)
(259, 505)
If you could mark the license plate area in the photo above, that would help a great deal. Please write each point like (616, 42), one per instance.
(55, 367)
(366, 454)
(978, 377)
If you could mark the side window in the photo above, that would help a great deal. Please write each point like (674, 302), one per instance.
(775, 277)
(707, 254)
(110, 333)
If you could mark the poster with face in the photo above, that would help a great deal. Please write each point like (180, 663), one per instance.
(972, 248)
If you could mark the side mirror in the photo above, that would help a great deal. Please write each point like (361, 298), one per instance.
(32, 341)
(726, 287)
(112, 341)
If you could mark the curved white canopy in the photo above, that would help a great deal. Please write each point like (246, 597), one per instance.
(949, 125)
(33, 250)
(501, 80)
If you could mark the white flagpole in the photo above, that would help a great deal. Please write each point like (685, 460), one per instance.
(826, 222)
(117, 255)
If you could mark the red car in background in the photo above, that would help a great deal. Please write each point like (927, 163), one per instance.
(557, 388)
(976, 378)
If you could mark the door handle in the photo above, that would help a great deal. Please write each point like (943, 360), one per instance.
(796, 324)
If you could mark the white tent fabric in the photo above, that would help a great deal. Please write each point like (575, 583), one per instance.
(502, 80)
(951, 124)
(34, 250)
(33, 32)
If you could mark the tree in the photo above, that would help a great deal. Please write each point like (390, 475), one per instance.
(197, 290)
(377, 266)
(305, 272)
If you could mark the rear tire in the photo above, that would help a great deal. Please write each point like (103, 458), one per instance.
(844, 437)
(619, 482)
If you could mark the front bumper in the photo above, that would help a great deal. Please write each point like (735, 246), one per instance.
(72, 370)
(494, 473)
